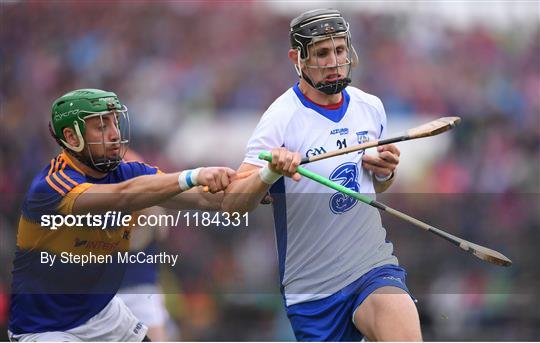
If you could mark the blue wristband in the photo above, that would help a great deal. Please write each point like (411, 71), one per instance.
(188, 179)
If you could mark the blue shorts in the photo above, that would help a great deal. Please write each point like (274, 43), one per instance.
(330, 319)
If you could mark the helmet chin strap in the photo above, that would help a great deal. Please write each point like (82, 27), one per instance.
(106, 165)
(329, 87)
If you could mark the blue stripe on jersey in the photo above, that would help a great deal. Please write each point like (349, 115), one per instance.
(277, 191)
(333, 115)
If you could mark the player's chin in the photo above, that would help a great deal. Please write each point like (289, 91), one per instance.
(112, 155)
(113, 152)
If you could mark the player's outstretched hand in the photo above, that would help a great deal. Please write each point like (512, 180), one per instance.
(216, 178)
(285, 162)
(385, 163)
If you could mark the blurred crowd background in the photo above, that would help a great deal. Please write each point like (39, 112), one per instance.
(196, 77)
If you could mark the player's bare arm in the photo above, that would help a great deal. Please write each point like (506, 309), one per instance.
(146, 191)
(194, 198)
(244, 194)
(382, 166)
(197, 198)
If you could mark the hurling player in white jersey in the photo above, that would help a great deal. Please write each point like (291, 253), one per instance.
(339, 277)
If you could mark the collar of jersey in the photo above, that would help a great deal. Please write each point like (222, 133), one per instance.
(334, 115)
(70, 163)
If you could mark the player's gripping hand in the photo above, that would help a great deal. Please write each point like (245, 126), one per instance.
(216, 178)
(285, 162)
(385, 163)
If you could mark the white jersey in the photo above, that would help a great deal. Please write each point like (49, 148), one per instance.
(325, 240)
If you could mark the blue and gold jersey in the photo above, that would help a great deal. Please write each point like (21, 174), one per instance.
(60, 296)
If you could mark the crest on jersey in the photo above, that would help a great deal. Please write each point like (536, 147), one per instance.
(346, 175)
(362, 137)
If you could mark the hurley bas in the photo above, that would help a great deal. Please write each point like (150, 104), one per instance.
(119, 257)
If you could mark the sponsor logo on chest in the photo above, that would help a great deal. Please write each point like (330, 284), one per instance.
(342, 131)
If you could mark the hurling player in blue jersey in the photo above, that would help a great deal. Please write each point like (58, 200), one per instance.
(339, 278)
(70, 301)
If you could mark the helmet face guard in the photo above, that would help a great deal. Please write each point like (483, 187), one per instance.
(74, 109)
(316, 26)
(121, 127)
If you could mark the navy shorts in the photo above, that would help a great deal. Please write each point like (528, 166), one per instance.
(330, 319)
